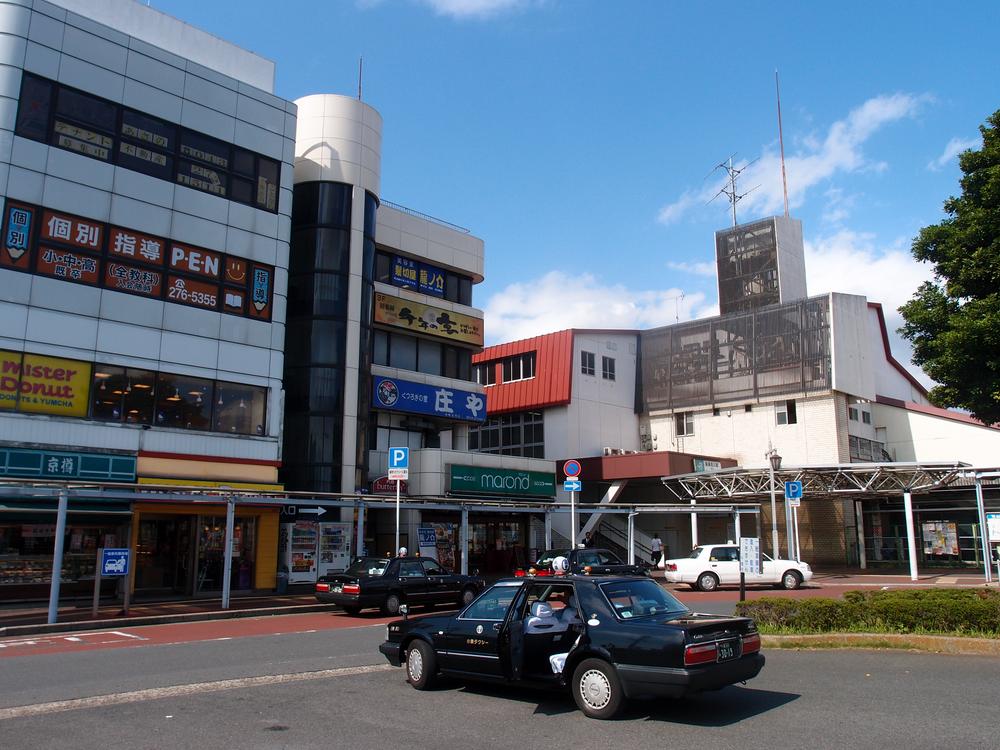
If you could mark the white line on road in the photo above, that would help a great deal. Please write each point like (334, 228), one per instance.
(176, 691)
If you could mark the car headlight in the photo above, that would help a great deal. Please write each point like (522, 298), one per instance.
(387, 632)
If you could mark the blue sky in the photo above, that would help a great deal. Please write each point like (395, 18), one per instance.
(577, 137)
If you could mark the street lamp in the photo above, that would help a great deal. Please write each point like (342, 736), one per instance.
(774, 461)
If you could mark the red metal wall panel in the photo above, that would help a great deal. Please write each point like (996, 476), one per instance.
(553, 381)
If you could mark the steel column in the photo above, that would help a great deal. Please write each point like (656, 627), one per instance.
(57, 556)
(911, 541)
(227, 564)
(984, 533)
(463, 541)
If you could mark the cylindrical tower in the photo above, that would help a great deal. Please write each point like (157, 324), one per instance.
(330, 289)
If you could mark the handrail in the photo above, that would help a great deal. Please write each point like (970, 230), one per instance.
(428, 217)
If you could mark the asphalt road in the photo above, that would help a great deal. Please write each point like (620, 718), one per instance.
(325, 688)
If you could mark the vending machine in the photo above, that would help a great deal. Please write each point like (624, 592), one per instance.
(310, 549)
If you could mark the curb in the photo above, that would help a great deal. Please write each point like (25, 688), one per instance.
(123, 622)
(941, 644)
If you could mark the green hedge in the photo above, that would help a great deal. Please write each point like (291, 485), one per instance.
(961, 611)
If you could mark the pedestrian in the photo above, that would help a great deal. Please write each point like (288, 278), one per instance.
(402, 552)
(656, 548)
(588, 540)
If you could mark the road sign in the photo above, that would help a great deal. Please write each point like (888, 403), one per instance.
(572, 485)
(793, 490)
(750, 560)
(993, 524)
(794, 502)
(572, 468)
(114, 562)
(399, 463)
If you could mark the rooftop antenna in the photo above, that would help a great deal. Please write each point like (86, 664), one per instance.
(730, 192)
(361, 63)
(781, 141)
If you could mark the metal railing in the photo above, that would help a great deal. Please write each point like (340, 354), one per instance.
(420, 215)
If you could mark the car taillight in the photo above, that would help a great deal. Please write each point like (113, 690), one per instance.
(519, 573)
(544, 572)
(671, 567)
(322, 586)
(751, 643)
(700, 654)
(351, 588)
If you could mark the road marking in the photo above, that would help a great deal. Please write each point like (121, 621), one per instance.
(94, 638)
(178, 691)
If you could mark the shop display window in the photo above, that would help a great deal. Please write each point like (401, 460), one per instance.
(122, 394)
(26, 551)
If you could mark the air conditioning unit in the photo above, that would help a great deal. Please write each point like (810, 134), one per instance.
(613, 451)
(608, 451)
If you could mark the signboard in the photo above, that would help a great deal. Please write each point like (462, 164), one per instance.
(44, 385)
(114, 562)
(484, 480)
(84, 251)
(794, 502)
(386, 486)
(433, 321)
(421, 277)
(106, 467)
(993, 524)
(940, 538)
(572, 468)
(399, 463)
(433, 400)
(704, 464)
(572, 485)
(750, 559)
(427, 542)
(793, 490)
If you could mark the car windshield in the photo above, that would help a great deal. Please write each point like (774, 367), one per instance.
(551, 554)
(367, 566)
(696, 552)
(492, 604)
(640, 598)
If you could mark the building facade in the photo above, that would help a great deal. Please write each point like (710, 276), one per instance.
(146, 180)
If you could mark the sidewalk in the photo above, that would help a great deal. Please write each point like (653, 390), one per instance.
(30, 619)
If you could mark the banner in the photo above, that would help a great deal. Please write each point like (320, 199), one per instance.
(44, 385)
(502, 481)
(432, 400)
(433, 321)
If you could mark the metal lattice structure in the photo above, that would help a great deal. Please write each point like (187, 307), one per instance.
(747, 260)
(818, 482)
(743, 356)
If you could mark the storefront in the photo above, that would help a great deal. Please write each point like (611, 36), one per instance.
(27, 543)
(180, 548)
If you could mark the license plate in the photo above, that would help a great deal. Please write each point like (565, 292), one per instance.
(728, 650)
(337, 589)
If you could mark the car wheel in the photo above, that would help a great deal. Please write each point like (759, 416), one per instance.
(467, 596)
(352, 610)
(596, 689)
(708, 582)
(391, 604)
(791, 579)
(421, 665)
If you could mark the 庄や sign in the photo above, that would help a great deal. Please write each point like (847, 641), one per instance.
(433, 400)
(502, 481)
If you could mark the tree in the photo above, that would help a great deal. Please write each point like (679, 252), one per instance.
(953, 322)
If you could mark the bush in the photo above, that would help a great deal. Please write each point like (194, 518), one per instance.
(959, 611)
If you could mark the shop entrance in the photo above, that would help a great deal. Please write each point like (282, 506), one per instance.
(497, 542)
(164, 554)
(212, 554)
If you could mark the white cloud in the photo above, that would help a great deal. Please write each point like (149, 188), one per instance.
(698, 268)
(840, 151)
(854, 263)
(472, 8)
(954, 148)
(555, 302)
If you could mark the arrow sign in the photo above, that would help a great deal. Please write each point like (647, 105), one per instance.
(572, 485)
(317, 511)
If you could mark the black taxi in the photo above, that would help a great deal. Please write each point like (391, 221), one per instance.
(606, 638)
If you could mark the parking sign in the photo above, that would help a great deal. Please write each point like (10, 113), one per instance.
(114, 562)
(399, 463)
(793, 490)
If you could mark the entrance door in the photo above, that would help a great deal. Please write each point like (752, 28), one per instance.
(163, 554)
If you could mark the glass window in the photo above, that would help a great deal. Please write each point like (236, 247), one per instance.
(33, 112)
(411, 569)
(429, 357)
(148, 131)
(403, 352)
(383, 268)
(108, 393)
(184, 402)
(205, 150)
(684, 423)
(140, 396)
(464, 291)
(239, 408)
(852, 414)
(451, 287)
(432, 568)
(243, 162)
(866, 417)
(241, 190)
(380, 352)
(268, 176)
(202, 177)
(491, 605)
(86, 110)
(608, 368)
(587, 366)
(639, 597)
(784, 412)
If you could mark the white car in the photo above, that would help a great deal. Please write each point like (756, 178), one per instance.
(712, 565)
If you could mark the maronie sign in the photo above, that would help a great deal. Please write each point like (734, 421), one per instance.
(502, 481)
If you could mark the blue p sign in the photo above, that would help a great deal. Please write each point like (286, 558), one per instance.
(793, 490)
(399, 458)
